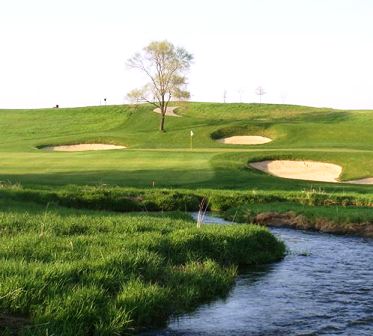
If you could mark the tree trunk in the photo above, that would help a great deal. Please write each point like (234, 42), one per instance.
(161, 126)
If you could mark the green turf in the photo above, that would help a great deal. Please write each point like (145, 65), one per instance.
(337, 136)
(80, 272)
(70, 272)
(338, 214)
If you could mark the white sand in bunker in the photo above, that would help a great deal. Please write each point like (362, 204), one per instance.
(81, 147)
(301, 170)
(169, 111)
(245, 140)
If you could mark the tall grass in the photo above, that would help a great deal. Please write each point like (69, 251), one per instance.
(70, 272)
(338, 215)
(103, 197)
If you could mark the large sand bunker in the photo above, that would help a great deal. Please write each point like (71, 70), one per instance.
(81, 147)
(301, 170)
(305, 170)
(245, 140)
(169, 111)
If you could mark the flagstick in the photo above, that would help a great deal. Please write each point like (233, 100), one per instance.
(191, 143)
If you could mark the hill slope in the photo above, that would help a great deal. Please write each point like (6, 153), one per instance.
(299, 132)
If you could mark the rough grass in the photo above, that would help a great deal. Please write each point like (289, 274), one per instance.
(121, 199)
(70, 272)
(340, 215)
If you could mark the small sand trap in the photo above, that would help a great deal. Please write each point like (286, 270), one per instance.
(368, 180)
(81, 147)
(245, 140)
(169, 111)
(301, 170)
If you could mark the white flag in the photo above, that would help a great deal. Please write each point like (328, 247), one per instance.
(191, 133)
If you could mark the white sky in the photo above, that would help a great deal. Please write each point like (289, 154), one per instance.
(73, 52)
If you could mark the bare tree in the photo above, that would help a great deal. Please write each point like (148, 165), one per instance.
(260, 92)
(165, 66)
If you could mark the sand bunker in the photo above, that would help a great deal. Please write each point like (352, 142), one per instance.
(169, 111)
(305, 170)
(368, 180)
(301, 170)
(81, 147)
(245, 140)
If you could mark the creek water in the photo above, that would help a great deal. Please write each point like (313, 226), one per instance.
(324, 286)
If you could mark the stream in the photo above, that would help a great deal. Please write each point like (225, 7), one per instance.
(324, 286)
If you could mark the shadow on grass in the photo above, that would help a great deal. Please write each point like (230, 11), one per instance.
(225, 175)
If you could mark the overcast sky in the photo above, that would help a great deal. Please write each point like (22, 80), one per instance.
(74, 52)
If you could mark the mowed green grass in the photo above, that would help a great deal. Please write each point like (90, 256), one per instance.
(69, 272)
(81, 272)
(336, 136)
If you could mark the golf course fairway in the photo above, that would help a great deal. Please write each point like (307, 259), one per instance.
(96, 236)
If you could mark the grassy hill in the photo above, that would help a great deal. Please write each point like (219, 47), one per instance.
(299, 132)
(91, 271)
